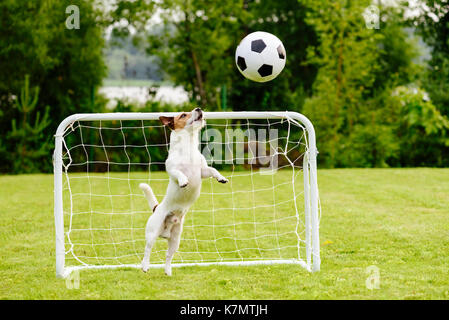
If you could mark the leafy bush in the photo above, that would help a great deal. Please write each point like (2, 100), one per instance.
(368, 146)
(422, 131)
(27, 145)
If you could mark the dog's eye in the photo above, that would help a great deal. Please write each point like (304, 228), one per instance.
(183, 115)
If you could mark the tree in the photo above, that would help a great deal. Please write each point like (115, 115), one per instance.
(421, 130)
(65, 64)
(433, 26)
(346, 57)
(193, 40)
(29, 146)
(358, 69)
(339, 73)
(196, 42)
(287, 20)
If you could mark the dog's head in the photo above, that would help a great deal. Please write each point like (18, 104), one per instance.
(185, 121)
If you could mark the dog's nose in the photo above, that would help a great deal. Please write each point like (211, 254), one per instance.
(198, 109)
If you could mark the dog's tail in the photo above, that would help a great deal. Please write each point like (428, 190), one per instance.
(152, 201)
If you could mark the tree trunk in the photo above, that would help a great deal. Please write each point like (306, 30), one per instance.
(199, 79)
(196, 65)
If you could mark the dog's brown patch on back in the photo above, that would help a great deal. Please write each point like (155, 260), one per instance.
(180, 120)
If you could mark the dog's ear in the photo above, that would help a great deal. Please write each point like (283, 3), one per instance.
(168, 121)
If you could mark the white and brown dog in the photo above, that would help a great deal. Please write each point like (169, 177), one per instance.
(186, 166)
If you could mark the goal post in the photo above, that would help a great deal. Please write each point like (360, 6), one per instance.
(268, 213)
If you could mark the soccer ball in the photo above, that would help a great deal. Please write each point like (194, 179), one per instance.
(260, 56)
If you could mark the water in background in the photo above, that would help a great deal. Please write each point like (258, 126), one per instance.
(140, 95)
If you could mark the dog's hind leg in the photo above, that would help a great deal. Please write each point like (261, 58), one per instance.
(146, 257)
(173, 245)
(153, 229)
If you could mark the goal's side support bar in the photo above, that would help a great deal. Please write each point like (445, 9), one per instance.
(310, 182)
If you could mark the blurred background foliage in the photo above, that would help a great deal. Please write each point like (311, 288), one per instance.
(377, 97)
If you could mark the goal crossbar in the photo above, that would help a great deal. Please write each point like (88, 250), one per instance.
(311, 200)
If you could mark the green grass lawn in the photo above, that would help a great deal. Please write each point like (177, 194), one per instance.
(394, 219)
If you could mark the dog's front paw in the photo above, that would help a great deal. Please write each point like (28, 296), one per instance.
(222, 180)
(183, 182)
(183, 185)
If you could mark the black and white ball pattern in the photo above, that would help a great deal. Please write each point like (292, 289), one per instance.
(260, 56)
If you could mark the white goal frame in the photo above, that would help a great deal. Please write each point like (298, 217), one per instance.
(312, 210)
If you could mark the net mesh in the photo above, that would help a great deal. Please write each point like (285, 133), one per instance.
(258, 215)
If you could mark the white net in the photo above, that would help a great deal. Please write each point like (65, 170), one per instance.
(258, 216)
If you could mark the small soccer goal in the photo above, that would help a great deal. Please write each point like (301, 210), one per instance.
(268, 212)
